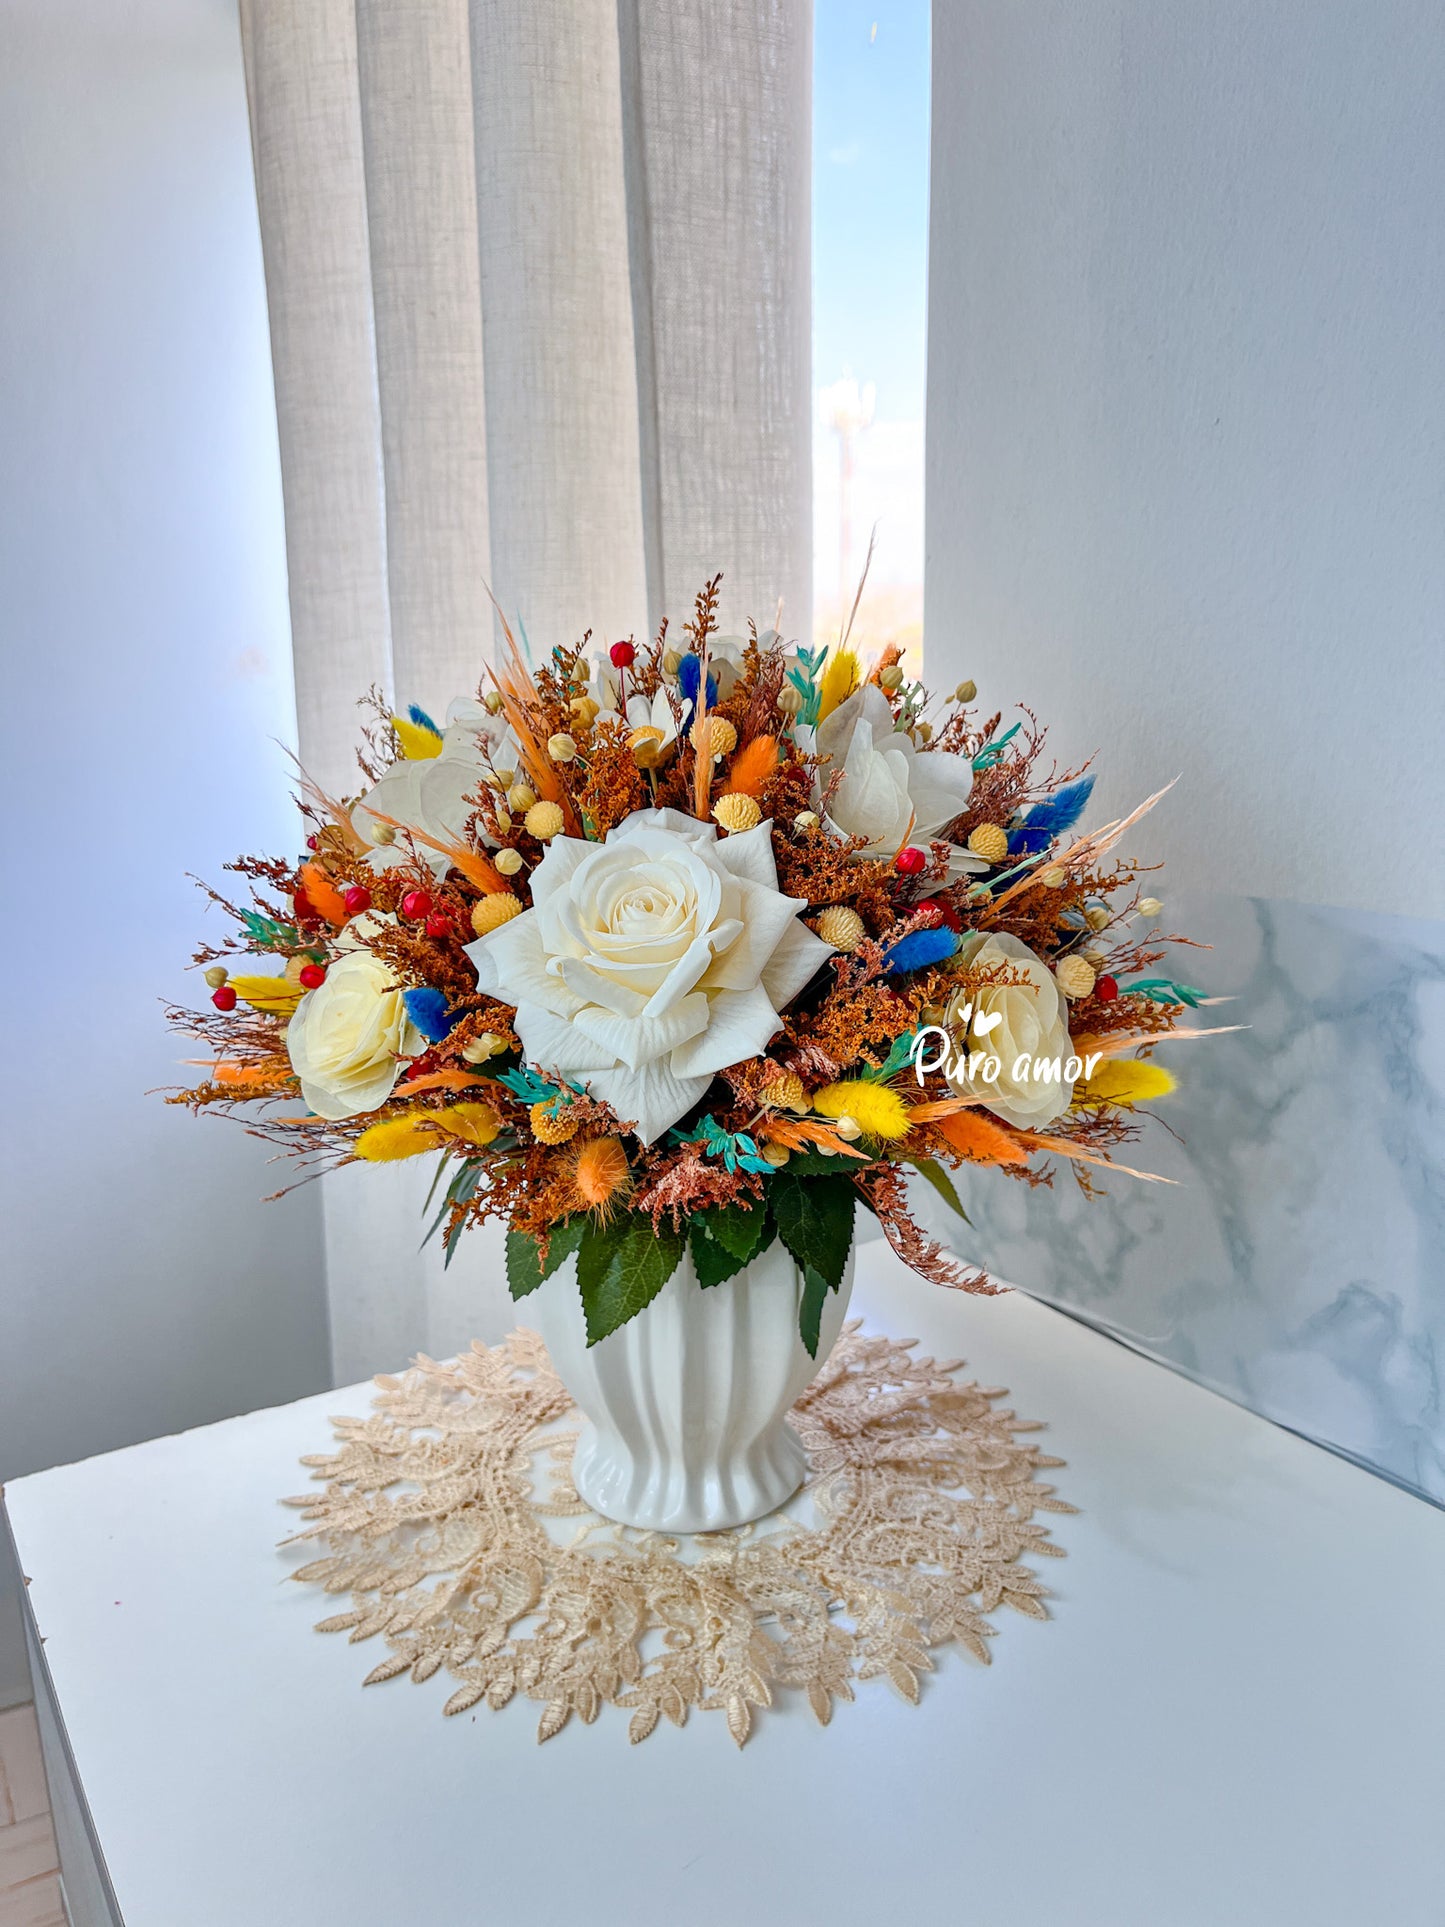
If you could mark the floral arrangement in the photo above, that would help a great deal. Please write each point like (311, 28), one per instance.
(694, 945)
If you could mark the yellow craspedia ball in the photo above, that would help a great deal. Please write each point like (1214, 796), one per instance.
(785, 1092)
(841, 927)
(990, 841)
(508, 862)
(1075, 976)
(493, 910)
(715, 734)
(876, 1109)
(544, 821)
(552, 1127)
(736, 812)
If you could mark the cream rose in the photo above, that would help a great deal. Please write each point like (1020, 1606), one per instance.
(1029, 1024)
(348, 1037)
(649, 962)
(889, 794)
(436, 794)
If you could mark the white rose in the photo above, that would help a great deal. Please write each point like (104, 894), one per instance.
(348, 1037)
(1033, 1024)
(436, 794)
(889, 794)
(651, 961)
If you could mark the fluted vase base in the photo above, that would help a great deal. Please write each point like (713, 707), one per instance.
(685, 1405)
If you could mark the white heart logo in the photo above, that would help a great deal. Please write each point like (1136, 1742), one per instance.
(983, 1025)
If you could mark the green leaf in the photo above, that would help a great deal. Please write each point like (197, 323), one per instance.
(810, 1309)
(942, 1183)
(525, 1271)
(715, 1263)
(726, 1237)
(737, 1228)
(814, 1217)
(621, 1268)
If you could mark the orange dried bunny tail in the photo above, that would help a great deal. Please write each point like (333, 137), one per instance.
(323, 894)
(601, 1179)
(475, 867)
(979, 1139)
(751, 767)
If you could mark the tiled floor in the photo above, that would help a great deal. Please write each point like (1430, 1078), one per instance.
(29, 1885)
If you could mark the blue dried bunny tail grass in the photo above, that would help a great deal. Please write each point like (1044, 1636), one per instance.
(1046, 820)
(428, 1010)
(419, 716)
(918, 950)
(689, 673)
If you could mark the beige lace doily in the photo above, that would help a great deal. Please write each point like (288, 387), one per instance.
(443, 1514)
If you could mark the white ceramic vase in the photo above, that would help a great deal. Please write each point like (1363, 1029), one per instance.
(685, 1405)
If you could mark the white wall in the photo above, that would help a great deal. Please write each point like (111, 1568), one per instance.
(147, 672)
(1186, 418)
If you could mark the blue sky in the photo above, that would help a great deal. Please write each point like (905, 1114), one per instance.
(870, 197)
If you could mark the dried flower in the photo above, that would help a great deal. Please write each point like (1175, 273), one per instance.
(647, 742)
(737, 813)
(990, 841)
(1098, 916)
(485, 1044)
(552, 1127)
(843, 928)
(1075, 976)
(561, 747)
(544, 821)
(714, 735)
(790, 700)
(520, 798)
(891, 677)
(491, 911)
(784, 1092)
(508, 862)
(1150, 907)
(965, 692)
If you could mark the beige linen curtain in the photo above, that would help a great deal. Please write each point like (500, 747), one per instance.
(539, 282)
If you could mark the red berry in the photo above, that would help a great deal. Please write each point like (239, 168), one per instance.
(311, 976)
(303, 909)
(623, 655)
(437, 925)
(223, 997)
(945, 912)
(416, 904)
(357, 899)
(910, 861)
(1106, 989)
(313, 842)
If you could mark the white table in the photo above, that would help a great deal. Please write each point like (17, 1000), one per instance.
(1236, 1714)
